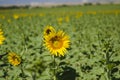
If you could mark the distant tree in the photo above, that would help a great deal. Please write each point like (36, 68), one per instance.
(98, 3)
(86, 4)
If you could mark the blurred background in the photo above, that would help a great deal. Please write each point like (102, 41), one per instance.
(49, 3)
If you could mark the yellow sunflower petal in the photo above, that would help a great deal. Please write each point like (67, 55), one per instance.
(2, 38)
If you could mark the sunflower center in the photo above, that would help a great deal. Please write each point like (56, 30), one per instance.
(48, 31)
(15, 58)
(56, 42)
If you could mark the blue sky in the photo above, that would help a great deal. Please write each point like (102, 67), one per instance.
(9, 2)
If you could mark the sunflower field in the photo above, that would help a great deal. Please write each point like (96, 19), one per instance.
(60, 43)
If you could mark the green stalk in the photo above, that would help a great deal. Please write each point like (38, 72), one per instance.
(54, 67)
(22, 73)
(107, 63)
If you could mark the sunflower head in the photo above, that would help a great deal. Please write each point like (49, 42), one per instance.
(57, 43)
(48, 30)
(2, 38)
(15, 16)
(14, 59)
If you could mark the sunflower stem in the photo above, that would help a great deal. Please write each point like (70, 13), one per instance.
(22, 73)
(54, 72)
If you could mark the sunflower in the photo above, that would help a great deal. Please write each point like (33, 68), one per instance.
(57, 43)
(48, 30)
(15, 16)
(2, 38)
(14, 59)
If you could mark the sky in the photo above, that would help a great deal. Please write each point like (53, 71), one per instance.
(13, 2)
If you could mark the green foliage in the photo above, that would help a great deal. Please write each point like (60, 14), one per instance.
(94, 48)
